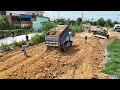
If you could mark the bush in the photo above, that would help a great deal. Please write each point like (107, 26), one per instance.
(37, 39)
(4, 47)
(17, 31)
(18, 44)
(75, 28)
(4, 25)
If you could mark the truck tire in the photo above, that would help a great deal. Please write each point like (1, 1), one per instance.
(70, 43)
(65, 47)
(62, 48)
(107, 36)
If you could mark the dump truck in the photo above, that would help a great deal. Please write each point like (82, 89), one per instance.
(59, 36)
(100, 33)
(117, 27)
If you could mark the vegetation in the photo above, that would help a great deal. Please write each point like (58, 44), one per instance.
(17, 44)
(17, 31)
(75, 28)
(37, 39)
(74, 25)
(102, 22)
(47, 26)
(4, 47)
(4, 23)
(113, 65)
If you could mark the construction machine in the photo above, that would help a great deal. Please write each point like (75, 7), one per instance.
(59, 36)
(101, 33)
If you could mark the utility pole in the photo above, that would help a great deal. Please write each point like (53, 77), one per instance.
(82, 21)
(82, 15)
(54, 17)
(117, 18)
(58, 14)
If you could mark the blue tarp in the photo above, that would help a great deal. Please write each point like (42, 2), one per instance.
(25, 16)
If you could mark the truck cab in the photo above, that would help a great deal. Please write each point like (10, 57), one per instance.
(117, 27)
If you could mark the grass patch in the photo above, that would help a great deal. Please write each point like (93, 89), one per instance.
(37, 38)
(112, 67)
(17, 44)
(4, 47)
(17, 31)
(75, 28)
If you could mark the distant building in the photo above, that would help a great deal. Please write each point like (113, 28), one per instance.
(21, 18)
(38, 22)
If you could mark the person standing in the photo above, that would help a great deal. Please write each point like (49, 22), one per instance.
(24, 48)
(27, 39)
(86, 39)
(13, 35)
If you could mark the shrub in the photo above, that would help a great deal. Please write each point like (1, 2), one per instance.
(17, 44)
(17, 31)
(4, 47)
(37, 39)
(75, 28)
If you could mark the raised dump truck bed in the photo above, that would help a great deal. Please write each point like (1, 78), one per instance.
(56, 31)
(59, 36)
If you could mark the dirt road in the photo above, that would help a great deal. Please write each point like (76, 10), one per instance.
(81, 61)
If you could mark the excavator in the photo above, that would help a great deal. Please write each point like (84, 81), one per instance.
(101, 33)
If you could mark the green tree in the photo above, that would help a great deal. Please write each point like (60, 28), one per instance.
(4, 23)
(68, 21)
(108, 23)
(101, 22)
(61, 21)
(46, 26)
(115, 22)
(72, 22)
(79, 20)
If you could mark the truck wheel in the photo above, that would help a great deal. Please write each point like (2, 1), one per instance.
(70, 43)
(65, 47)
(107, 36)
(62, 48)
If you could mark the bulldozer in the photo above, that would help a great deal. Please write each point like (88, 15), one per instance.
(101, 33)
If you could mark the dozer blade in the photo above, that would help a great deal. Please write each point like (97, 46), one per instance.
(101, 36)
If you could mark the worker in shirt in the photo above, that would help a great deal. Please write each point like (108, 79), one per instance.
(85, 39)
(24, 49)
(13, 35)
(27, 39)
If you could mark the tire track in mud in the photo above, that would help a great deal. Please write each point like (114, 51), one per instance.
(7, 73)
(12, 61)
(14, 53)
(35, 68)
(21, 72)
(26, 68)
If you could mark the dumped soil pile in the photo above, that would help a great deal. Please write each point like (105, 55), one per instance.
(81, 61)
(57, 30)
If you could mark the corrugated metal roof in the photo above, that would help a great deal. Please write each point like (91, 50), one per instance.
(25, 12)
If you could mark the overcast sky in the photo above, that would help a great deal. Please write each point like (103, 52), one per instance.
(86, 15)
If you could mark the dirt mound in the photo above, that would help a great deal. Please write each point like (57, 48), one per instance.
(57, 30)
(81, 61)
